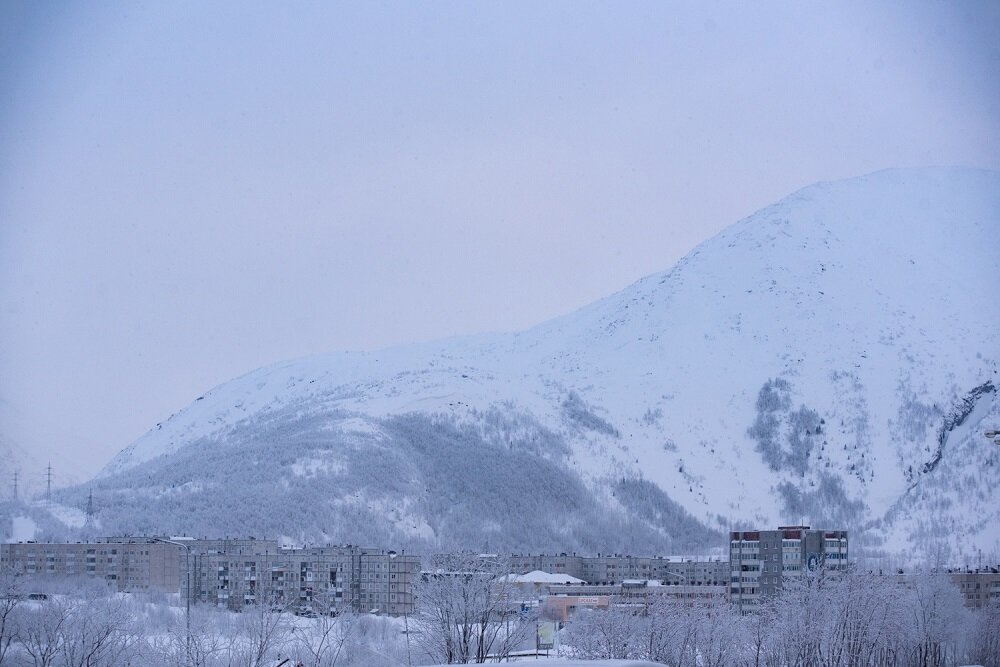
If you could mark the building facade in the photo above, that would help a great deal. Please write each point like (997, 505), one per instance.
(760, 560)
(233, 573)
(563, 600)
(125, 566)
(979, 587)
(613, 569)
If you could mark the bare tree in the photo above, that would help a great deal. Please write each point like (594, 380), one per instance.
(672, 632)
(211, 642)
(12, 593)
(86, 630)
(606, 634)
(42, 630)
(985, 644)
(321, 642)
(263, 632)
(97, 631)
(700, 631)
(802, 613)
(757, 628)
(939, 617)
(719, 639)
(468, 610)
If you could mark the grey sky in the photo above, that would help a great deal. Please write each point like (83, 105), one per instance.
(188, 192)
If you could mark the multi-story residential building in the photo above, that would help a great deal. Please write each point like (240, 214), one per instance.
(334, 577)
(979, 587)
(570, 564)
(698, 571)
(614, 569)
(233, 573)
(228, 572)
(759, 560)
(128, 565)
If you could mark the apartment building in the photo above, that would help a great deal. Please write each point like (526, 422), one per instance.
(613, 569)
(979, 587)
(237, 574)
(126, 566)
(569, 564)
(233, 573)
(759, 560)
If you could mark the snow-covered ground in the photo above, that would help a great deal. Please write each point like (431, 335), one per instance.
(562, 662)
(70, 516)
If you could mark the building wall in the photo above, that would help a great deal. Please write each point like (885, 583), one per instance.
(322, 578)
(572, 565)
(562, 601)
(980, 588)
(614, 569)
(127, 566)
(761, 560)
(233, 573)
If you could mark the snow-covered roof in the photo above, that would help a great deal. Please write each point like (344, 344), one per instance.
(540, 577)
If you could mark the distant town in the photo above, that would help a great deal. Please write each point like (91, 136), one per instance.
(235, 573)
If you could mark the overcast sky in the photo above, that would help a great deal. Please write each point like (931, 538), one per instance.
(189, 191)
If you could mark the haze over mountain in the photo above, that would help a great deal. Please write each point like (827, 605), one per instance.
(830, 359)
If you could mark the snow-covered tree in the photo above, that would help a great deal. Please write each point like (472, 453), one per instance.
(616, 633)
(467, 610)
(939, 619)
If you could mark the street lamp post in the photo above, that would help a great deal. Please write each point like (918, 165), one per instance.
(682, 577)
(187, 595)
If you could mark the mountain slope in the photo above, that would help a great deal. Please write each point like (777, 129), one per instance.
(811, 362)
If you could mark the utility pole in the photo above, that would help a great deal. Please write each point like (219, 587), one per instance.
(15, 486)
(48, 484)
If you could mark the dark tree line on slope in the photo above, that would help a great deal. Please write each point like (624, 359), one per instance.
(856, 620)
(425, 483)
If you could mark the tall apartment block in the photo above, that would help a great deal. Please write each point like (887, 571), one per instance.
(759, 560)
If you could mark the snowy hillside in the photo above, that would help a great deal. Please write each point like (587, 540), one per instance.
(832, 358)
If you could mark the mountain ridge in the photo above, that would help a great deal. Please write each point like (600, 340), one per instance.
(764, 375)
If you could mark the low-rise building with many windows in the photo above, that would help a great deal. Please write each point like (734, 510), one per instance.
(232, 573)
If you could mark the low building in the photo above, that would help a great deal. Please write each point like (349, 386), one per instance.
(612, 569)
(535, 584)
(562, 607)
(562, 601)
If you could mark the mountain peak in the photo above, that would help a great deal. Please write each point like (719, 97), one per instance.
(810, 360)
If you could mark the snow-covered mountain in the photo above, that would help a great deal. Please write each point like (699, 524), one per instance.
(832, 358)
